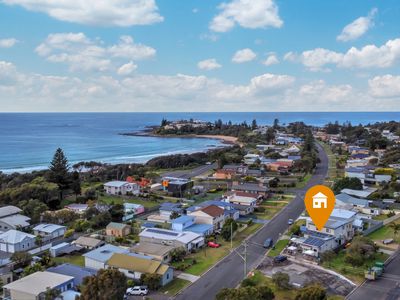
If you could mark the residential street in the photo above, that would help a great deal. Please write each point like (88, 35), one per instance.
(386, 287)
(230, 271)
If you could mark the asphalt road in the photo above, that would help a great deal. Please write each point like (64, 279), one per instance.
(190, 173)
(230, 270)
(386, 287)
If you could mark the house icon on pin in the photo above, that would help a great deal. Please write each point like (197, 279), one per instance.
(320, 200)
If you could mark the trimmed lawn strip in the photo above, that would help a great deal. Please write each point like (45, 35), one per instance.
(77, 260)
(119, 200)
(172, 288)
(279, 246)
(208, 257)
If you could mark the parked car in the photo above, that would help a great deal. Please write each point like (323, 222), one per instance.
(280, 258)
(290, 222)
(137, 291)
(213, 245)
(268, 243)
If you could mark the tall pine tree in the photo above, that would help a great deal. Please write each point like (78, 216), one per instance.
(59, 171)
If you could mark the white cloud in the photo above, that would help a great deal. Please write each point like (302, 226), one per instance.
(127, 69)
(369, 56)
(208, 64)
(246, 13)
(243, 55)
(358, 27)
(137, 92)
(84, 54)
(290, 56)
(384, 86)
(99, 12)
(8, 43)
(271, 60)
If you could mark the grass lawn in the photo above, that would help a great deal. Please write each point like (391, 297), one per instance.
(109, 198)
(172, 288)
(303, 183)
(278, 248)
(207, 257)
(380, 217)
(78, 260)
(355, 273)
(385, 232)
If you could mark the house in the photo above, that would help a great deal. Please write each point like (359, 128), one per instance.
(211, 214)
(343, 198)
(10, 218)
(133, 208)
(77, 272)
(238, 169)
(363, 194)
(187, 223)
(158, 252)
(229, 209)
(97, 258)
(320, 201)
(82, 208)
(251, 188)
(242, 200)
(49, 231)
(337, 231)
(167, 208)
(6, 274)
(63, 248)
(88, 242)
(224, 174)
(13, 241)
(118, 229)
(186, 239)
(177, 186)
(367, 175)
(34, 286)
(250, 159)
(121, 188)
(134, 267)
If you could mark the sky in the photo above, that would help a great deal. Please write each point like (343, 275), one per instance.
(197, 55)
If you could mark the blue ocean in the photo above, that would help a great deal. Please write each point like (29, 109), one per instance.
(28, 140)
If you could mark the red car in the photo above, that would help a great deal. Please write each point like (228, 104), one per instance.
(213, 245)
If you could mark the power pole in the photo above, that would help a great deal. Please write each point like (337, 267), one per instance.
(231, 234)
(245, 259)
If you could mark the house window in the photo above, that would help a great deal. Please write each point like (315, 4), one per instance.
(167, 275)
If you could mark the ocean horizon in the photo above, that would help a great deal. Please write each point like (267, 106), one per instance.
(28, 140)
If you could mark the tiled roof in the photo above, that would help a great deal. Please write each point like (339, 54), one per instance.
(213, 210)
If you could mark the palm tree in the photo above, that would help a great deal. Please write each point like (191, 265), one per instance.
(396, 228)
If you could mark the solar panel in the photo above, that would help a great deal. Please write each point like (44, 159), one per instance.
(153, 230)
(314, 241)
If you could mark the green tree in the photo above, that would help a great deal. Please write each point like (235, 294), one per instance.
(59, 171)
(107, 284)
(174, 215)
(311, 292)
(226, 229)
(347, 183)
(276, 124)
(36, 267)
(270, 135)
(262, 292)
(33, 208)
(254, 124)
(39, 240)
(281, 280)
(396, 228)
(177, 254)
(117, 212)
(361, 250)
(153, 281)
(21, 258)
(76, 184)
(51, 294)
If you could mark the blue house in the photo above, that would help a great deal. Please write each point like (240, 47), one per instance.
(187, 223)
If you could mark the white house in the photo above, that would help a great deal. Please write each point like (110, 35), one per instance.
(49, 231)
(121, 188)
(13, 241)
(320, 201)
(10, 218)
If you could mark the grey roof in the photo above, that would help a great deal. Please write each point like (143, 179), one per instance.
(88, 241)
(249, 187)
(14, 236)
(48, 228)
(37, 283)
(152, 249)
(351, 200)
(9, 210)
(359, 193)
(104, 253)
(79, 273)
(16, 220)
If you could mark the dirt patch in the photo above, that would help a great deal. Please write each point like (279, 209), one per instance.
(301, 275)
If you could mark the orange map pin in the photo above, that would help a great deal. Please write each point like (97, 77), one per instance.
(319, 201)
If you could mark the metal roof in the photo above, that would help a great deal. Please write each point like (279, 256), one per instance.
(104, 253)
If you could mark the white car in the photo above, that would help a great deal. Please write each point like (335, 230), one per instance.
(137, 291)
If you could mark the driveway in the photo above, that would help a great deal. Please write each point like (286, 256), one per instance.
(230, 270)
